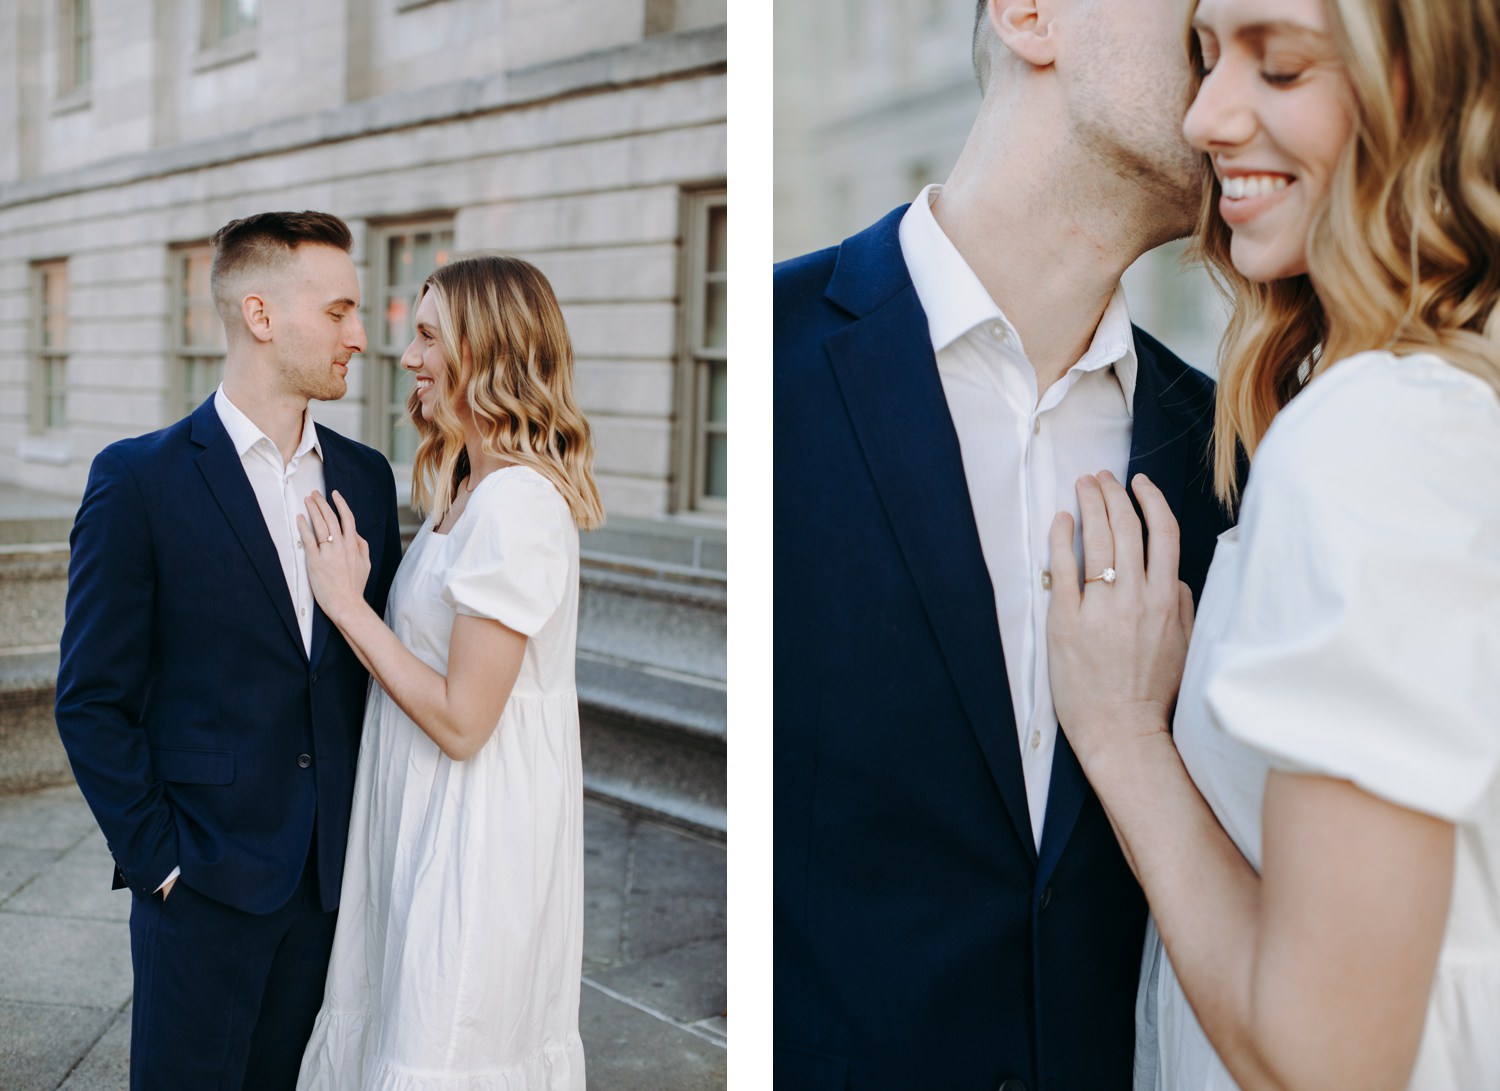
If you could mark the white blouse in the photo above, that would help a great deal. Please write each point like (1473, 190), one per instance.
(1350, 627)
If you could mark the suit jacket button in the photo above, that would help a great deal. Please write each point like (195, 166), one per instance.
(1012, 1085)
(1046, 897)
(304, 760)
(315, 677)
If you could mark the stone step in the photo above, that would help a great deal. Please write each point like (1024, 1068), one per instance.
(31, 754)
(651, 667)
(652, 640)
(659, 622)
(654, 742)
(33, 590)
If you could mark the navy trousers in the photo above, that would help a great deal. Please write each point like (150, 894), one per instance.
(225, 999)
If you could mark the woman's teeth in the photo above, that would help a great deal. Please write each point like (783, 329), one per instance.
(1254, 185)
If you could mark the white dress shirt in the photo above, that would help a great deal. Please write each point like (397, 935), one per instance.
(1022, 452)
(281, 489)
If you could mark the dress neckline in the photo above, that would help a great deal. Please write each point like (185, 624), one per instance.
(432, 527)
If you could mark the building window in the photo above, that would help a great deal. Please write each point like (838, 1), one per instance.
(76, 38)
(49, 368)
(226, 19)
(197, 332)
(703, 469)
(403, 257)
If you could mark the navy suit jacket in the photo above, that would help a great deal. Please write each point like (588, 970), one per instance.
(921, 939)
(201, 732)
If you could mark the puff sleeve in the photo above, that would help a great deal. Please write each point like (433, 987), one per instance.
(511, 555)
(1366, 645)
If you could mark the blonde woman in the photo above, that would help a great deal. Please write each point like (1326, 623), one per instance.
(1319, 839)
(459, 947)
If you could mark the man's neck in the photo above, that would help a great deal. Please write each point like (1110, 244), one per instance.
(1048, 243)
(280, 417)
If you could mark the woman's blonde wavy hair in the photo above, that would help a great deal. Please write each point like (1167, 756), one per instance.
(510, 360)
(1405, 255)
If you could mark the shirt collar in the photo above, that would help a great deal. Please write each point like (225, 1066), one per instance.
(1114, 344)
(245, 434)
(951, 295)
(955, 301)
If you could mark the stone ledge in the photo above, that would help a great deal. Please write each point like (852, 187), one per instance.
(661, 57)
(689, 710)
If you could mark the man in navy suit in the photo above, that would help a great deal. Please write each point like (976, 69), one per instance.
(951, 908)
(211, 714)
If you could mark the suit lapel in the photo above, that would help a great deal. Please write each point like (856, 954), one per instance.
(221, 468)
(1160, 434)
(332, 479)
(887, 374)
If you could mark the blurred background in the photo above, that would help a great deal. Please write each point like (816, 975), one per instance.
(588, 136)
(873, 100)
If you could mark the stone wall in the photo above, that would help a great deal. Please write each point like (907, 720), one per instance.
(574, 141)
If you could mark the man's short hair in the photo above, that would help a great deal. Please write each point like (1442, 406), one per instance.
(979, 49)
(264, 241)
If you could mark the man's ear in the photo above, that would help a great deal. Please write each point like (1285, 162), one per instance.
(1025, 28)
(257, 315)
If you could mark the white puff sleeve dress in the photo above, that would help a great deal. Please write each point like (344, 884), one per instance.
(459, 947)
(1350, 627)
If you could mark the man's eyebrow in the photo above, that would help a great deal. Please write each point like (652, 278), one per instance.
(343, 303)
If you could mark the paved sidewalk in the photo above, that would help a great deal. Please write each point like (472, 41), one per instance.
(654, 951)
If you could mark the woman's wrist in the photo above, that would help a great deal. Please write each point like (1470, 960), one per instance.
(343, 611)
(1121, 752)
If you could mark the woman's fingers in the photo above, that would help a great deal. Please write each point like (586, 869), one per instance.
(305, 532)
(1098, 542)
(1125, 529)
(1064, 568)
(1185, 609)
(316, 517)
(1161, 525)
(346, 515)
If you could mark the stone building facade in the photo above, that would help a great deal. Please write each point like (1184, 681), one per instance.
(873, 100)
(588, 137)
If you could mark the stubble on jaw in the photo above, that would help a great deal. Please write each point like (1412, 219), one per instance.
(1136, 136)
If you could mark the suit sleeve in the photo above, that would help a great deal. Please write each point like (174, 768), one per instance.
(105, 671)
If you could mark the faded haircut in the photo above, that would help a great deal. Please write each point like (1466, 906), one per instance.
(267, 240)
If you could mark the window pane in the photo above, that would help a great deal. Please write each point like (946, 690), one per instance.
(403, 436)
(82, 42)
(716, 315)
(54, 306)
(718, 392)
(200, 378)
(201, 327)
(237, 15)
(718, 239)
(55, 387)
(399, 260)
(716, 472)
(425, 246)
(397, 321)
(197, 267)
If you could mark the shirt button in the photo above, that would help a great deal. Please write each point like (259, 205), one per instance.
(302, 611)
(1036, 739)
(1046, 580)
(1036, 427)
(304, 760)
(997, 331)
